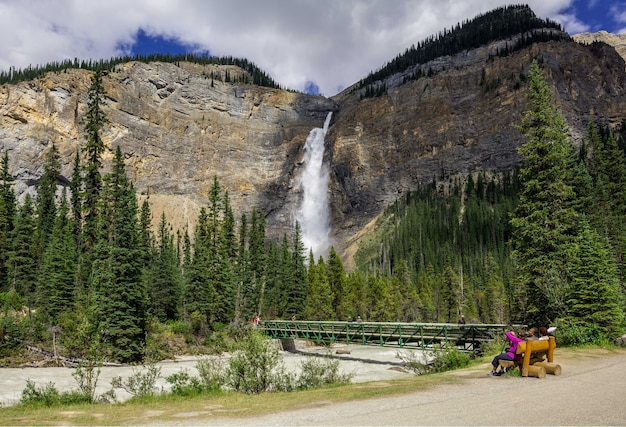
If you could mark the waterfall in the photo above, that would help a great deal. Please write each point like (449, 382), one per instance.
(314, 212)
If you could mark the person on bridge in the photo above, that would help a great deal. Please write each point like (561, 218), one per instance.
(509, 355)
(462, 320)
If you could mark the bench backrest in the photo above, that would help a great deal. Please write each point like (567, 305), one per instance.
(537, 346)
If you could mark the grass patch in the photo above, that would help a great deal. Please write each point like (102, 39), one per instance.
(172, 408)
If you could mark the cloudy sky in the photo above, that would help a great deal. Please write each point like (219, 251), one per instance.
(303, 44)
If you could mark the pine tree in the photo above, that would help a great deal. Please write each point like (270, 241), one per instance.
(118, 282)
(257, 257)
(544, 222)
(243, 307)
(273, 284)
(319, 302)
(56, 290)
(336, 280)
(46, 194)
(285, 307)
(199, 291)
(296, 287)
(8, 208)
(22, 257)
(595, 299)
(164, 287)
(94, 122)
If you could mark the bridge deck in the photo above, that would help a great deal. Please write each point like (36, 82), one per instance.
(467, 337)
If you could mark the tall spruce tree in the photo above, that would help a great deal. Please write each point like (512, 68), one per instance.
(198, 291)
(595, 301)
(94, 122)
(337, 280)
(117, 269)
(164, 285)
(544, 223)
(56, 290)
(296, 285)
(319, 300)
(46, 194)
(22, 259)
(8, 208)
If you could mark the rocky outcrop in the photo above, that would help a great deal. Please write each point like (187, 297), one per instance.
(179, 128)
(618, 41)
(459, 120)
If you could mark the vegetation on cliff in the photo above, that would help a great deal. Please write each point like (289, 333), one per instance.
(499, 24)
(559, 214)
(252, 75)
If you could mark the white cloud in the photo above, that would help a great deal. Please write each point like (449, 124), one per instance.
(331, 42)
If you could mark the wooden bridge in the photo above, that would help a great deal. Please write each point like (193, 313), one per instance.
(468, 337)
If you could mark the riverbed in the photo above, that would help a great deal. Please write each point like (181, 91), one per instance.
(365, 363)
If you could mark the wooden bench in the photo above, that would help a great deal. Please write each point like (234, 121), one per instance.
(534, 363)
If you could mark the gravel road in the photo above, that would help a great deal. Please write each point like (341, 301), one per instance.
(590, 391)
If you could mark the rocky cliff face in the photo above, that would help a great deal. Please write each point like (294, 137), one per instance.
(179, 129)
(459, 120)
(618, 41)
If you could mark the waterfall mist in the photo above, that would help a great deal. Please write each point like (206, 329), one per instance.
(314, 212)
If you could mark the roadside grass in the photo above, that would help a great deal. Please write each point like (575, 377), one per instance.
(175, 409)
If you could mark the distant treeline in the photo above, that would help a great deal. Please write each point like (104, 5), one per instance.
(499, 24)
(257, 76)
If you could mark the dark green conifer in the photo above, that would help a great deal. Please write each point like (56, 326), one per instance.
(117, 269)
(46, 194)
(545, 221)
(22, 259)
(56, 290)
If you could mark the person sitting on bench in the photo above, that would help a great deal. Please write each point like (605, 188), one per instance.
(509, 355)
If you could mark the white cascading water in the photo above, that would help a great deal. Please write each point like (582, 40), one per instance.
(314, 212)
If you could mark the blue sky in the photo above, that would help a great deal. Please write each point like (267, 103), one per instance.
(309, 45)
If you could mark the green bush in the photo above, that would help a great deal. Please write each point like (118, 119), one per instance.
(440, 359)
(570, 333)
(257, 367)
(13, 330)
(413, 361)
(317, 372)
(212, 372)
(184, 384)
(141, 383)
(48, 396)
(449, 357)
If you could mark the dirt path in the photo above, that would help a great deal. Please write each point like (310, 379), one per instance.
(590, 391)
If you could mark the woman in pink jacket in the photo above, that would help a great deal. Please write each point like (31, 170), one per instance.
(509, 355)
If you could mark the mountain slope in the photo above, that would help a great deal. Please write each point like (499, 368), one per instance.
(179, 128)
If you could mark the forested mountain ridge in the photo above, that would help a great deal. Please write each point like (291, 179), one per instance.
(179, 124)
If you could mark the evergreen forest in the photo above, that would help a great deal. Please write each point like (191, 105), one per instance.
(81, 266)
(503, 23)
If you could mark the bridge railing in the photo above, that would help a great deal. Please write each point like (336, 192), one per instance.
(469, 337)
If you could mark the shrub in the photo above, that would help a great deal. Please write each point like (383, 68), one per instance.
(257, 367)
(49, 396)
(46, 395)
(440, 359)
(317, 372)
(184, 384)
(212, 372)
(86, 375)
(448, 357)
(140, 383)
(571, 333)
(413, 361)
